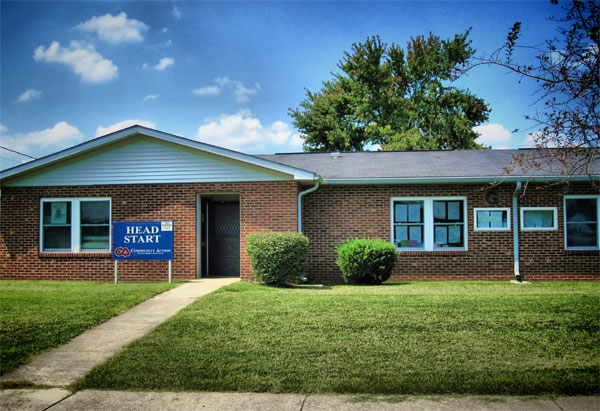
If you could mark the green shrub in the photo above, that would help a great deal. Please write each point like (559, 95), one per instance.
(277, 258)
(366, 261)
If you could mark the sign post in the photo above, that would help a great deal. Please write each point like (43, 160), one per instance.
(142, 241)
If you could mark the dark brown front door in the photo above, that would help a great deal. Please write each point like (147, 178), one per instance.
(224, 238)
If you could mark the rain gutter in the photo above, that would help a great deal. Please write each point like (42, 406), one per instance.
(517, 191)
(302, 194)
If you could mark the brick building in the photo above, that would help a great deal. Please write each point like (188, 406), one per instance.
(451, 214)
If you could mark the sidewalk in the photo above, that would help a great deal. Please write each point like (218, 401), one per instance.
(61, 400)
(70, 362)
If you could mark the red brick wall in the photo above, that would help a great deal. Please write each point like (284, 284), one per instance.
(333, 214)
(267, 206)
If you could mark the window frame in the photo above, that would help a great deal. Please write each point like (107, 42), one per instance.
(508, 226)
(575, 197)
(409, 199)
(428, 223)
(75, 225)
(554, 218)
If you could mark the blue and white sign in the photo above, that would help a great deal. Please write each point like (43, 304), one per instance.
(143, 240)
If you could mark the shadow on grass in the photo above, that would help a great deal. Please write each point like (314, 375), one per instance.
(328, 286)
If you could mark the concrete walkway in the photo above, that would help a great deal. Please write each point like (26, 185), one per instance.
(70, 362)
(61, 400)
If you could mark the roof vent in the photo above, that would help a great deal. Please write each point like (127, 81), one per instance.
(335, 154)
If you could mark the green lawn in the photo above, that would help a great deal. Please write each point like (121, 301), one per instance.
(38, 315)
(409, 338)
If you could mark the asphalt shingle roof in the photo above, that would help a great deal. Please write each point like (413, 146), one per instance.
(410, 164)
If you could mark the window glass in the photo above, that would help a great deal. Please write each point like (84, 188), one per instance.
(538, 218)
(408, 211)
(56, 225)
(408, 227)
(95, 225)
(582, 224)
(57, 213)
(581, 210)
(582, 235)
(448, 223)
(94, 237)
(57, 238)
(95, 212)
(492, 219)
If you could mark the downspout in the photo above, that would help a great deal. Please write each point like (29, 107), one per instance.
(300, 195)
(516, 231)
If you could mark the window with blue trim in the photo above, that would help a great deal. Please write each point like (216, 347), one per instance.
(75, 225)
(581, 222)
(428, 224)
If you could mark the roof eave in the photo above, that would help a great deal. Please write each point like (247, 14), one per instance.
(449, 180)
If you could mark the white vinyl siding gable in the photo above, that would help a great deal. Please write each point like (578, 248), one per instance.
(145, 161)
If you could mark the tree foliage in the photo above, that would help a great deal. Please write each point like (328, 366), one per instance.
(401, 100)
(567, 70)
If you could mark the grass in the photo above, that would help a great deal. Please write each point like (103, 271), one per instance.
(483, 338)
(38, 315)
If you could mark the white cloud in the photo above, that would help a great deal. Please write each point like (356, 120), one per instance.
(100, 131)
(151, 97)
(223, 81)
(207, 91)
(28, 95)
(494, 135)
(243, 132)
(296, 141)
(164, 30)
(60, 136)
(84, 60)
(115, 29)
(176, 12)
(164, 63)
(3, 129)
(240, 92)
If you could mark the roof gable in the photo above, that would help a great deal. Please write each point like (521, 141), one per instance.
(141, 155)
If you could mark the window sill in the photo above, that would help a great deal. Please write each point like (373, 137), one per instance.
(435, 252)
(67, 254)
(583, 251)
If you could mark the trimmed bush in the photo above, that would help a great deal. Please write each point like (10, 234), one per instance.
(366, 261)
(277, 258)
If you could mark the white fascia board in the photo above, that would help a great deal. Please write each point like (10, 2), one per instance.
(447, 180)
(297, 173)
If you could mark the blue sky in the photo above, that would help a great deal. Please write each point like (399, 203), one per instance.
(223, 72)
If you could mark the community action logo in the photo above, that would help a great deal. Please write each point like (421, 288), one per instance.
(122, 252)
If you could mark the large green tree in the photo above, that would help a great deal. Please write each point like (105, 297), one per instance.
(400, 100)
